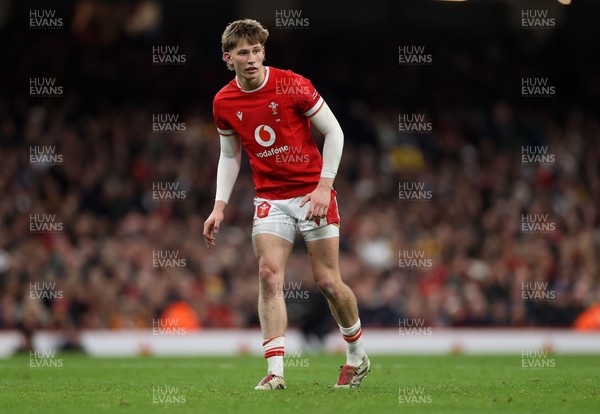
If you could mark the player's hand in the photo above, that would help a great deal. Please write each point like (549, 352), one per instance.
(319, 202)
(211, 226)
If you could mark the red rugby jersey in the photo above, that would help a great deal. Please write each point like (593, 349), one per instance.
(273, 123)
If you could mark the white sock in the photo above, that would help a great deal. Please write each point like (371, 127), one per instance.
(274, 352)
(353, 337)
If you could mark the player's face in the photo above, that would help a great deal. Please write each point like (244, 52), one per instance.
(247, 60)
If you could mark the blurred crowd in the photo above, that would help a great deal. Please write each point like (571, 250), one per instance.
(479, 267)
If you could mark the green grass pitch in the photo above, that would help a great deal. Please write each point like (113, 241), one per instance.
(396, 384)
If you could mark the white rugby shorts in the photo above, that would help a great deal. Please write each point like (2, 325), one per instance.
(284, 217)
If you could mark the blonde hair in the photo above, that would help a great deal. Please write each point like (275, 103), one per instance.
(240, 30)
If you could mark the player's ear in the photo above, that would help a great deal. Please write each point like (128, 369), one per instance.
(227, 58)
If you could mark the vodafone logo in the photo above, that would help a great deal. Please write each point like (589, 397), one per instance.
(264, 135)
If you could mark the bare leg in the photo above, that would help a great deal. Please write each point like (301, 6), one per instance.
(324, 260)
(272, 253)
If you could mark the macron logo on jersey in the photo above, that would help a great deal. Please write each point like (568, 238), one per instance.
(265, 136)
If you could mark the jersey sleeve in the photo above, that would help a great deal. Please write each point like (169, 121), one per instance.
(223, 127)
(308, 99)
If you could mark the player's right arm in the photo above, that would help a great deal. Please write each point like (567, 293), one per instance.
(227, 172)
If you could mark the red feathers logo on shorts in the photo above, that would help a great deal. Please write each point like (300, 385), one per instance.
(262, 210)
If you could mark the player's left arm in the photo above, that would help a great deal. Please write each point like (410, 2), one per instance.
(326, 123)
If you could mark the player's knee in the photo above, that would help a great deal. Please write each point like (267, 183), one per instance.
(328, 287)
(268, 277)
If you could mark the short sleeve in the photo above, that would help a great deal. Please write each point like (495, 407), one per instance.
(223, 126)
(308, 99)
